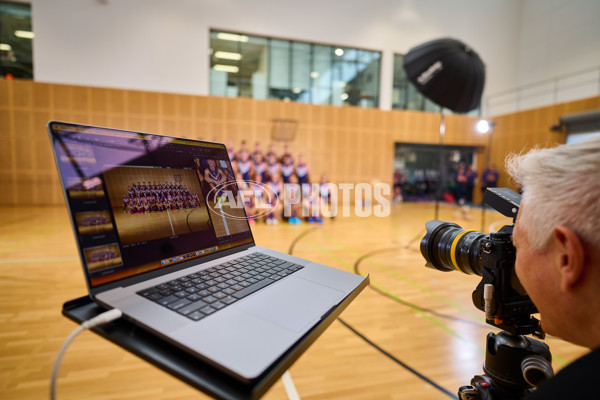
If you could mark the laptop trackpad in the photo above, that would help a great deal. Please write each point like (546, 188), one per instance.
(292, 303)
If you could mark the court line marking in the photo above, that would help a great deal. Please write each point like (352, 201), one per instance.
(224, 222)
(367, 340)
(421, 313)
(397, 360)
(170, 222)
(427, 316)
(449, 302)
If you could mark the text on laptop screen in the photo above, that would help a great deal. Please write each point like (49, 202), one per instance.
(139, 201)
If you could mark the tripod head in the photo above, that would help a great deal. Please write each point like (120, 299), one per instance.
(502, 378)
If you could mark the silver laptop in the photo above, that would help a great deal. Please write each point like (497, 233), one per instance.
(160, 240)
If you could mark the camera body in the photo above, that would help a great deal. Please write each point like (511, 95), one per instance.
(447, 247)
(510, 307)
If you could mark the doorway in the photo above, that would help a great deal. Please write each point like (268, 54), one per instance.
(427, 167)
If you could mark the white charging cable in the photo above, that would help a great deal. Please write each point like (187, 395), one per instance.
(103, 318)
(289, 386)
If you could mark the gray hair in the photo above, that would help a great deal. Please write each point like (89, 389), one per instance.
(561, 186)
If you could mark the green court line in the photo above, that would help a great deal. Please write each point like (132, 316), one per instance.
(411, 282)
(382, 288)
(425, 290)
(414, 284)
(560, 360)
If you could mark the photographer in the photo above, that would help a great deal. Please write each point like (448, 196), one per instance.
(557, 237)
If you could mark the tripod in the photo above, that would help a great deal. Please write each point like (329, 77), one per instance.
(513, 365)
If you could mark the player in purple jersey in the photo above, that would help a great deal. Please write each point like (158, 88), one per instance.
(471, 177)
(287, 168)
(292, 193)
(214, 176)
(489, 178)
(271, 151)
(230, 150)
(302, 170)
(260, 167)
(273, 166)
(243, 150)
(276, 188)
(256, 153)
(245, 166)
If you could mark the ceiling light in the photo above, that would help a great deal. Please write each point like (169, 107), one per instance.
(24, 34)
(224, 55)
(314, 74)
(232, 36)
(339, 52)
(5, 47)
(226, 68)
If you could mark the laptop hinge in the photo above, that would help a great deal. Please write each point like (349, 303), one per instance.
(165, 271)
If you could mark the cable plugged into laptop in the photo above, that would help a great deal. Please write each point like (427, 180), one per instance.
(101, 319)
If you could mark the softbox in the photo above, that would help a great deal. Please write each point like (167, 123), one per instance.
(448, 72)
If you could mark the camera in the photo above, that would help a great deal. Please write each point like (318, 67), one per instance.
(448, 247)
(514, 364)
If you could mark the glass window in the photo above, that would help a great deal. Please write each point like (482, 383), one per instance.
(405, 95)
(238, 65)
(292, 70)
(300, 71)
(16, 37)
(321, 75)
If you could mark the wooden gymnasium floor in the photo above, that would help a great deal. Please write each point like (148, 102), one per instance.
(40, 270)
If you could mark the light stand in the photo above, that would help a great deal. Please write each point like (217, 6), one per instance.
(485, 127)
(442, 170)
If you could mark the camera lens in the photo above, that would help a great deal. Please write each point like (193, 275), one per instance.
(448, 247)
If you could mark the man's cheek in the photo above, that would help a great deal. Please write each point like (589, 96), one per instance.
(519, 270)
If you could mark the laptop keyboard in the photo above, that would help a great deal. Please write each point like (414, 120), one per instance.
(200, 294)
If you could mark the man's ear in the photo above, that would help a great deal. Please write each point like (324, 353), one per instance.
(570, 257)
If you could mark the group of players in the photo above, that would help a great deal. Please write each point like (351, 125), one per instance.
(262, 177)
(145, 198)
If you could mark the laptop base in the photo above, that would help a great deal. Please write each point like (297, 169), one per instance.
(185, 366)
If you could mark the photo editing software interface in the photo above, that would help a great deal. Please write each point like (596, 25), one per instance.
(139, 201)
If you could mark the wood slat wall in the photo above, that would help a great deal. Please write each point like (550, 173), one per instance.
(350, 144)
(521, 131)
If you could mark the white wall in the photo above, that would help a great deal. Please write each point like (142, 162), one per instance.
(557, 38)
(162, 45)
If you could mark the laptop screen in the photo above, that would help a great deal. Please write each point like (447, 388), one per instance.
(141, 202)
